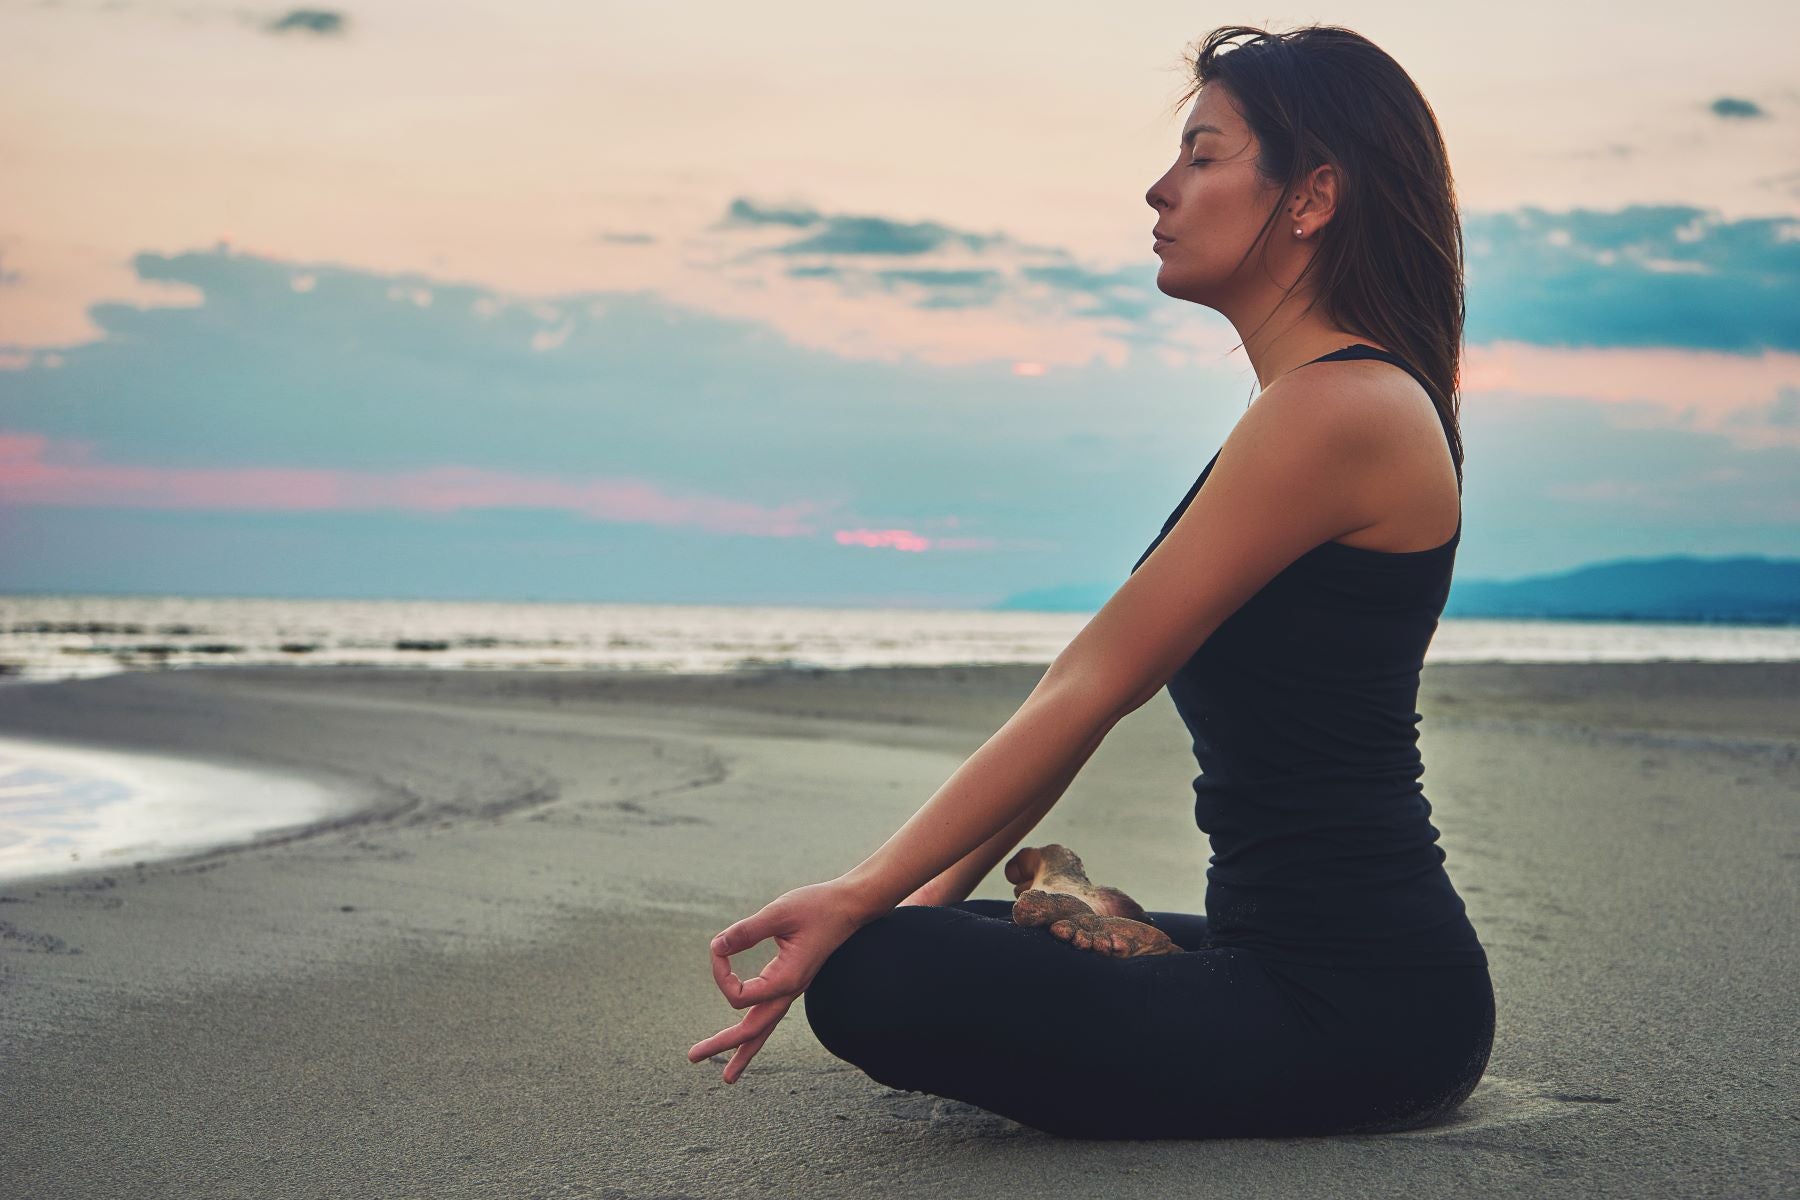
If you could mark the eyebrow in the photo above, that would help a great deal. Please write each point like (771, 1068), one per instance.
(1201, 128)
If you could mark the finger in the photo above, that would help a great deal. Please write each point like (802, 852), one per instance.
(757, 1021)
(735, 940)
(740, 935)
(775, 982)
(760, 990)
(740, 1061)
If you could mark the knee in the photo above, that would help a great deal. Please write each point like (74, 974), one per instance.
(857, 1000)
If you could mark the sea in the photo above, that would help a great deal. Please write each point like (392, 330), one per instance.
(66, 807)
(45, 637)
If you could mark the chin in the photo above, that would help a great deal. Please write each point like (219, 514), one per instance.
(1170, 284)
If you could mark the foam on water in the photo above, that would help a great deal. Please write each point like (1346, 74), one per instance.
(61, 637)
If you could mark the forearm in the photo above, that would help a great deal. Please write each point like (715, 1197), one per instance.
(1038, 751)
(956, 881)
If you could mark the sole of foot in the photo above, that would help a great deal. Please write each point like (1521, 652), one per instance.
(1115, 937)
(1052, 891)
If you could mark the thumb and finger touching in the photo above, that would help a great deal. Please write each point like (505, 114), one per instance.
(768, 996)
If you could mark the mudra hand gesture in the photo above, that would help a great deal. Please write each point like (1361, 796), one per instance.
(808, 924)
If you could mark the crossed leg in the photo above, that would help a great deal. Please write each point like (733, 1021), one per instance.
(963, 1002)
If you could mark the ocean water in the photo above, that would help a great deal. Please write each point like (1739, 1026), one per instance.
(67, 808)
(61, 637)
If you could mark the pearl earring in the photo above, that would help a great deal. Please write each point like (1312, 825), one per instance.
(1298, 232)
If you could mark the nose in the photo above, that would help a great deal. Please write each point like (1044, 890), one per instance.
(1155, 197)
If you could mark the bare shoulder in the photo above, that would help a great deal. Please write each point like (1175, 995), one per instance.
(1405, 479)
(1314, 458)
(1372, 403)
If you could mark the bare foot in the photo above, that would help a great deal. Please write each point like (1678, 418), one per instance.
(1115, 937)
(1054, 868)
(1039, 908)
(1053, 891)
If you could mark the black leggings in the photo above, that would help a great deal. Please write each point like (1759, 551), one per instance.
(960, 1002)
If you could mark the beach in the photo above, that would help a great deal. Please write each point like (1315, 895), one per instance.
(479, 975)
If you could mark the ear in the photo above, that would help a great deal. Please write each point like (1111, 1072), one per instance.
(1316, 195)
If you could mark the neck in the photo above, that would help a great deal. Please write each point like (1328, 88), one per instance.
(1279, 343)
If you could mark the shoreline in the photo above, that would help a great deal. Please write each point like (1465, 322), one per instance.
(1736, 707)
(487, 984)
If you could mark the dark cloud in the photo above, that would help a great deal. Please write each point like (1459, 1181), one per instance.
(848, 240)
(1647, 275)
(743, 212)
(322, 21)
(1733, 108)
(878, 235)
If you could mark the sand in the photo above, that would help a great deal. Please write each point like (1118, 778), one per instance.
(483, 982)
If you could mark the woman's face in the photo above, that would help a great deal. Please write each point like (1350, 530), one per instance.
(1210, 204)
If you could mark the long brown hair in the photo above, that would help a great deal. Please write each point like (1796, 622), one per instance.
(1390, 261)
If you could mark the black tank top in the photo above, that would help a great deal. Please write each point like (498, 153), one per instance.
(1302, 710)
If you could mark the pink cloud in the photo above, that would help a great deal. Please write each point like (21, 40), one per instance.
(898, 539)
(34, 471)
(906, 539)
(1650, 387)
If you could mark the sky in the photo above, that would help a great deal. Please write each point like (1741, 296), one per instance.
(809, 303)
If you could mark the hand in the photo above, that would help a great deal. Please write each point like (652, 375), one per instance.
(808, 924)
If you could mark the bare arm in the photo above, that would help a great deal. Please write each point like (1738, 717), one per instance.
(1007, 784)
(955, 883)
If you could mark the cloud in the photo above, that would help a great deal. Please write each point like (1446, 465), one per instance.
(1640, 277)
(741, 212)
(1662, 275)
(1732, 108)
(36, 472)
(1737, 396)
(321, 21)
(946, 268)
(1120, 293)
(878, 235)
(298, 394)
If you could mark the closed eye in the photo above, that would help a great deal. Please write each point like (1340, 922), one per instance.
(1198, 161)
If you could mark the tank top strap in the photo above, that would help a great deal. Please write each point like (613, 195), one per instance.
(1361, 350)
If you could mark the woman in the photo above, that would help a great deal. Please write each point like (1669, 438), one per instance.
(1334, 983)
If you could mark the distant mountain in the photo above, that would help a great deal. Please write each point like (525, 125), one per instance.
(1747, 589)
(1750, 588)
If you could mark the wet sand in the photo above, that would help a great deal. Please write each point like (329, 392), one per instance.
(483, 982)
